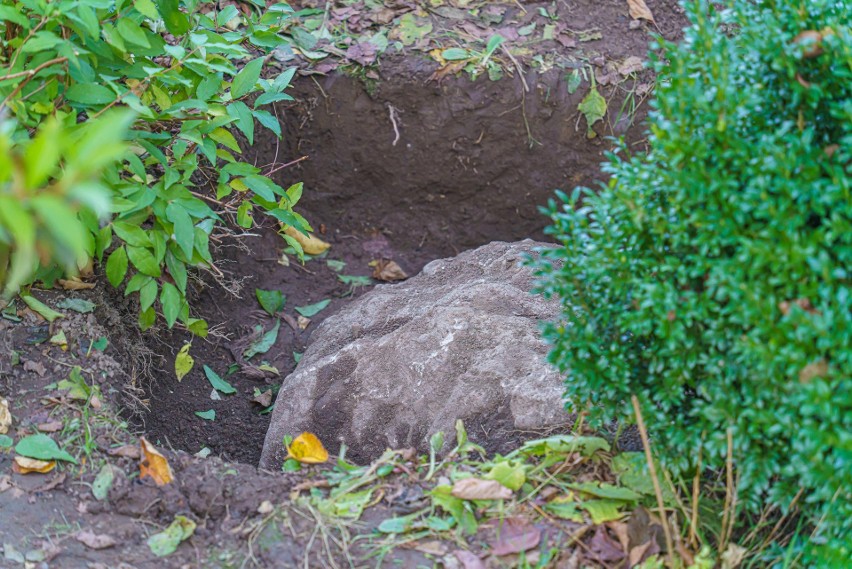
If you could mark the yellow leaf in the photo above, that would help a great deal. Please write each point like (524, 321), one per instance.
(307, 448)
(24, 465)
(312, 245)
(183, 362)
(154, 464)
(74, 283)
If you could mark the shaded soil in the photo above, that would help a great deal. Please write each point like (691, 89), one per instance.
(473, 162)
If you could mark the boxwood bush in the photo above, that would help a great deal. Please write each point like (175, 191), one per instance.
(712, 276)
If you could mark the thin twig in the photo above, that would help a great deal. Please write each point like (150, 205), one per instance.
(282, 166)
(729, 492)
(29, 74)
(517, 66)
(652, 469)
(696, 486)
(394, 116)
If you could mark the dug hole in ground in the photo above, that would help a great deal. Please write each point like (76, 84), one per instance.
(410, 167)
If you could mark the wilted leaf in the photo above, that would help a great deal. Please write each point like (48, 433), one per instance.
(593, 107)
(129, 451)
(813, 370)
(303, 322)
(166, 542)
(469, 560)
(217, 382)
(586, 446)
(154, 464)
(630, 65)
(515, 535)
(733, 556)
(639, 10)
(313, 309)
(60, 340)
(270, 300)
(410, 30)
(24, 465)
(76, 385)
(209, 415)
(311, 244)
(262, 344)
(103, 482)
(307, 448)
(95, 541)
(510, 475)
(42, 447)
(76, 304)
(183, 362)
(388, 271)
(46, 312)
(5, 416)
(478, 489)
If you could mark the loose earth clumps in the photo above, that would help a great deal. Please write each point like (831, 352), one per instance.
(458, 341)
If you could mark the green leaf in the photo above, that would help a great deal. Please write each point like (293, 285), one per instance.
(263, 343)
(608, 491)
(147, 9)
(36, 305)
(270, 300)
(144, 261)
(6, 441)
(131, 32)
(184, 234)
(587, 446)
(593, 107)
(167, 541)
(42, 447)
(564, 508)
(217, 382)
(197, 326)
(90, 94)
(116, 266)
(209, 415)
(147, 294)
(510, 475)
(268, 121)
(245, 120)
(247, 78)
(170, 299)
(602, 511)
(76, 304)
(456, 54)
(313, 309)
(176, 21)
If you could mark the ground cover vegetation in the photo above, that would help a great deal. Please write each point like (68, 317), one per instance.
(707, 288)
(117, 137)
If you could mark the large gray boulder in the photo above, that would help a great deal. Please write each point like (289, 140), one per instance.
(458, 341)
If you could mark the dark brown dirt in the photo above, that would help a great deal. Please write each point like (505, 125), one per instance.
(473, 163)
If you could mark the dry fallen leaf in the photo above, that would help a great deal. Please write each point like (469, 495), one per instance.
(307, 448)
(514, 536)
(264, 399)
(631, 65)
(478, 489)
(129, 451)
(5, 416)
(388, 271)
(94, 541)
(74, 283)
(813, 370)
(24, 465)
(50, 426)
(604, 547)
(303, 322)
(265, 507)
(311, 244)
(154, 464)
(640, 11)
(469, 560)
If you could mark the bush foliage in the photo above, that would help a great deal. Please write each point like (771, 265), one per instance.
(712, 276)
(117, 137)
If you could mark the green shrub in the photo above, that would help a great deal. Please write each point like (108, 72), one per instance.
(116, 137)
(712, 276)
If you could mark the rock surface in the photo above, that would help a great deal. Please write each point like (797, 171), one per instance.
(458, 341)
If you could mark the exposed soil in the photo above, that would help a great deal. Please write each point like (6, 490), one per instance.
(473, 163)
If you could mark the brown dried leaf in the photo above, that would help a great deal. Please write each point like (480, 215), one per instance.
(630, 65)
(604, 547)
(640, 11)
(74, 283)
(303, 322)
(813, 370)
(469, 560)
(24, 465)
(637, 553)
(5, 416)
(620, 531)
(129, 451)
(95, 541)
(264, 399)
(388, 271)
(49, 485)
(514, 536)
(478, 489)
(50, 427)
(433, 547)
(154, 464)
